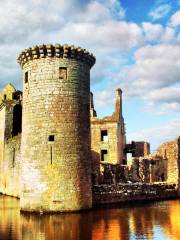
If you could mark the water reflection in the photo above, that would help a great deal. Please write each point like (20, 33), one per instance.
(160, 220)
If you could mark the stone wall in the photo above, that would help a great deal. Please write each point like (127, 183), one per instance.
(9, 147)
(152, 168)
(141, 149)
(138, 149)
(110, 144)
(2, 127)
(171, 151)
(10, 169)
(108, 136)
(120, 193)
(55, 149)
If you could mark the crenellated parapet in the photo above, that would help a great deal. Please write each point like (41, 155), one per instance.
(57, 51)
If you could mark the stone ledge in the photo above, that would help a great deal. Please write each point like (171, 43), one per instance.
(126, 192)
(56, 51)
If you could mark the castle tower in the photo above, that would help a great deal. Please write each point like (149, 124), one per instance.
(55, 150)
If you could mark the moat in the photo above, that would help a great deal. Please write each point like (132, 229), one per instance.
(153, 220)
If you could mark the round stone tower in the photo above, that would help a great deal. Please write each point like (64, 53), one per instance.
(55, 147)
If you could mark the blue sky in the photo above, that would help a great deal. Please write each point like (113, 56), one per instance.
(137, 48)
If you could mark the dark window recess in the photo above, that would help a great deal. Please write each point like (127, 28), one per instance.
(17, 120)
(16, 95)
(124, 161)
(13, 160)
(62, 73)
(162, 177)
(51, 138)
(51, 155)
(104, 135)
(26, 77)
(5, 96)
(104, 155)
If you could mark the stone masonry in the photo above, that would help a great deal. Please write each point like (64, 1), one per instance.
(10, 139)
(55, 146)
(171, 151)
(108, 136)
(56, 155)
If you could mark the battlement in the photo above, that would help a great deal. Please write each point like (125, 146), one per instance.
(57, 51)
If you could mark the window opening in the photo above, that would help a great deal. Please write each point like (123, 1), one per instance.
(104, 135)
(51, 138)
(26, 77)
(62, 73)
(17, 120)
(104, 155)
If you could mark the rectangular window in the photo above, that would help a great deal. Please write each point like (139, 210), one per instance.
(62, 73)
(51, 138)
(26, 77)
(104, 135)
(104, 155)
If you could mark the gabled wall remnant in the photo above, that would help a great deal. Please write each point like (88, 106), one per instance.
(108, 136)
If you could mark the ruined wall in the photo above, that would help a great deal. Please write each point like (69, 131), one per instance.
(151, 168)
(171, 151)
(108, 135)
(141, 149)
(138, 149)
(10, 172)
(110, 144)
(7, 104)
(106, 194)
(56, 166)
(2, 127)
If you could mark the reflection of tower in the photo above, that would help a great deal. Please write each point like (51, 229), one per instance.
(55, 150)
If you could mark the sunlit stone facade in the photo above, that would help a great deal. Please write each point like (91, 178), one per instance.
(55, 147)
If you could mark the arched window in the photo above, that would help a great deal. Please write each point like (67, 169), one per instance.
(17, 120)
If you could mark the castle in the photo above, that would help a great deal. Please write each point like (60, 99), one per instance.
(52, 142)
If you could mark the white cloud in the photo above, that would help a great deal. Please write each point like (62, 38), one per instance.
(164, 100)
(94, 25)
(157, 134)
(155, 66)
(169, 95)
(19, 19)
(153, 78)
(115, 7)
(104, 98)
(168, 35)
(157, 33)
(160, 11)
(152, 31)
(175, 19)
(94, 12)
(113, 35)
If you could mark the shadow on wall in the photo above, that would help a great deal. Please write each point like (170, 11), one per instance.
(17, 120)
(95, 156)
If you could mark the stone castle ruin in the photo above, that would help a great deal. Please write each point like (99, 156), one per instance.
(56, 155)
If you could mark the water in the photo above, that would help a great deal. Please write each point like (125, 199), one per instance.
(160, 220)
